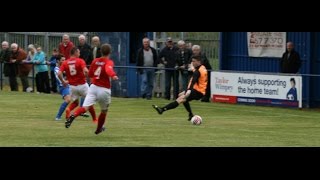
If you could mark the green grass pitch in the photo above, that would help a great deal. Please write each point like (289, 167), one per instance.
(27, 120)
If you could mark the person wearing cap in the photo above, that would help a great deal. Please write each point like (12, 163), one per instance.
(168, 57)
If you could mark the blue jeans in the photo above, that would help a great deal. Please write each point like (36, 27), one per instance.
(147, 80)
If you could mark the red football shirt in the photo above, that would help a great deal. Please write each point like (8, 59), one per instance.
(73, 68)
(101, 70)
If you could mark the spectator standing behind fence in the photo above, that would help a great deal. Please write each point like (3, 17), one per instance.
(13, 64)
(23, 69)
(65, 46)
(95, 49)
(147, 57)
(168, 57)
(196, 50)
(5, 58)
(85, 50)
(31, 52)
(184, 60)
(53, 62)
(42, 76)
(290, 61)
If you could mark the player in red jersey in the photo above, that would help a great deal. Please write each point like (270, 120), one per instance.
(76, 72)
(101, 70)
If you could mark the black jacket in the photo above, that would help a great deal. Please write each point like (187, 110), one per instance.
(291, 64)
(8, 69)
(85, 53)
(169, 55)
(5, 55)
(140, 58)
(185, 58)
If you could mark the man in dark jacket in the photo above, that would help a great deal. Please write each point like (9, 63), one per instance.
(85, 50)
(10, 66)
(147, 57)
(184, 61)
(290, 61)
(5, 57)
(168, 56)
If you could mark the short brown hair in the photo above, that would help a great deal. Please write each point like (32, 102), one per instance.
(60, 56)
(73, 50)
(197, 57)
(105, 49)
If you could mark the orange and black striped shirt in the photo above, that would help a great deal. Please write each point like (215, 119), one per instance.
(199, 80)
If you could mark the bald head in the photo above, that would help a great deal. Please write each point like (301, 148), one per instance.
(66, 36)
(14, 47)
(95, 38)
(290, 46)
(96, 41)
(196, 49)
(65, 39)
(82, 39)
(5, 45)
(181, 44)
(146, 43)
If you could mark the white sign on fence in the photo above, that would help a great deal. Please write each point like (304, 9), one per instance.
(266, 44)
(257, 88)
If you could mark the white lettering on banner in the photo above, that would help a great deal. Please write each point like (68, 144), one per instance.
(246, 100)
(279, 89)
(266, 44)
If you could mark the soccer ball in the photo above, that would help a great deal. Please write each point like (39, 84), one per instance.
(290, 97)
(196, 120)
